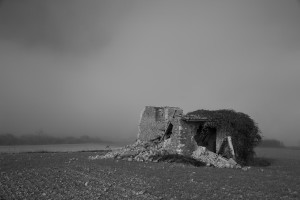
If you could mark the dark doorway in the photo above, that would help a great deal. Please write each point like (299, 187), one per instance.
(206, 138)
(198, 136)
(211, 138)
(168, 132)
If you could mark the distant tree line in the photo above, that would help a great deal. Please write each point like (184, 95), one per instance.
(271, 143)
(38, 138)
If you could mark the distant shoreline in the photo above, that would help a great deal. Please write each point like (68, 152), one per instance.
(54, 148)
(103, 143)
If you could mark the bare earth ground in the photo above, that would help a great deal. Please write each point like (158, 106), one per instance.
(73, 176)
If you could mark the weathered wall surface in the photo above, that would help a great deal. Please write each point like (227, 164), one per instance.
(186, 138)
(153, 121)
(173, 144)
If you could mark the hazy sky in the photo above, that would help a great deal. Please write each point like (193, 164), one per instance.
(78, 67)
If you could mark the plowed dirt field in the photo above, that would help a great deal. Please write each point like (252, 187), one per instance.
(74, 176)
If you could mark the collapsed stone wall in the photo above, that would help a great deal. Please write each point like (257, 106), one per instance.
(173, 144)
(153, 121)
(139, 151)
(211, 158)
(187, 140)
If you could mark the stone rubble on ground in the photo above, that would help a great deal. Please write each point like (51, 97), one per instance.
(211, 158)
(139, 151)
(246, 168)
(142, 151)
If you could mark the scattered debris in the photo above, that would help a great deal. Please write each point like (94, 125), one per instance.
(139, 151)
(214, 159)
(154, 152)
(246, 168)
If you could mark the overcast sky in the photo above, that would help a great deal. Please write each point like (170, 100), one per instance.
(77, 67)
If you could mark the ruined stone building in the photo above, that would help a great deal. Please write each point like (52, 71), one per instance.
(184, 134)
(181, 133)
(222, 138)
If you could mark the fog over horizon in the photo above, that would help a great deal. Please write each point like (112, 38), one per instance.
(72, 67)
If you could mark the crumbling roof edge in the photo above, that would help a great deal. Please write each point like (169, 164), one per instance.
(194, 118)
(164, 107)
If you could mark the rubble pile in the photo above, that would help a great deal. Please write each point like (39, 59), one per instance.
(211, 158)
(142, 151)
(139, 151)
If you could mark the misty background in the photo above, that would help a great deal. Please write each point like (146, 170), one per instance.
(71, 67)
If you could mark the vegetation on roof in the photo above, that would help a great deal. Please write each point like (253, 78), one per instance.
(243, 130)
